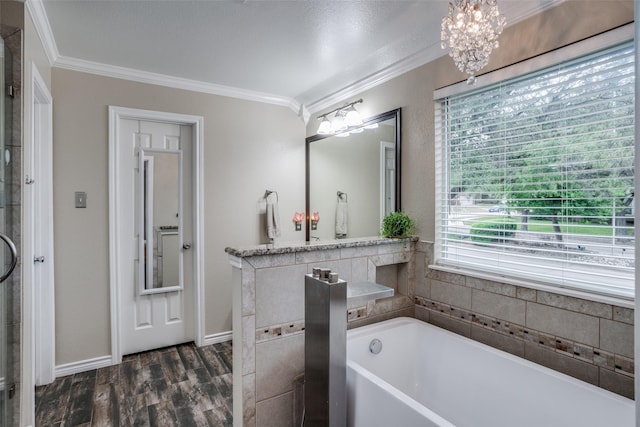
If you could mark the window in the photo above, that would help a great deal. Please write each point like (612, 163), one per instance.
(536, 176)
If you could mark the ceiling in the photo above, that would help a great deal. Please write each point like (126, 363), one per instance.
(304, 54)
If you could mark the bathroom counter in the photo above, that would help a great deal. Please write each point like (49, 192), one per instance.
(293, 247)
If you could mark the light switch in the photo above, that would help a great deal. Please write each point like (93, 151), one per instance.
(81, 199)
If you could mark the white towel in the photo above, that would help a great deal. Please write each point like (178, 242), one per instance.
(342, 218)
(273, 217)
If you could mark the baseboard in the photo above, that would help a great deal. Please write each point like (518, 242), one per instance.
(82, 366)
(104, 361)
(217, 338)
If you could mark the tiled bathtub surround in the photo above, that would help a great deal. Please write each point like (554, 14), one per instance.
(268, 310)
(588, 340)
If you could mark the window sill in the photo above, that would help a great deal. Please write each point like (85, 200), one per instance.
(606, 299)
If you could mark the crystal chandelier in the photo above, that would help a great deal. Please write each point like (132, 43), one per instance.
(471, 30)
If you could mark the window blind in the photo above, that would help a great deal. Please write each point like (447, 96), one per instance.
(535, 175)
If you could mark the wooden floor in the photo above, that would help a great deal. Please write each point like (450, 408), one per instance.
(174, 386)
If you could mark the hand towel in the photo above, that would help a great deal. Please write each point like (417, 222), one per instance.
(273, 217)
(342, 218)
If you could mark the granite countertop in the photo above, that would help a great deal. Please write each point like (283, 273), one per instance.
(293, 247)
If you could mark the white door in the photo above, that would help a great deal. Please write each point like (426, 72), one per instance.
(38, 230)
(150, 316)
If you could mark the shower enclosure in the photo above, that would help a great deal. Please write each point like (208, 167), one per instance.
(10, 214)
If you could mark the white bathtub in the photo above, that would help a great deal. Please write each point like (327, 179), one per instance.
(426, 376)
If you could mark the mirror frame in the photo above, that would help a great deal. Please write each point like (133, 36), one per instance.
(145, 252)
(393, 114)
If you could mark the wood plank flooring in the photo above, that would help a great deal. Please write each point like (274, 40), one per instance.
(175, 386)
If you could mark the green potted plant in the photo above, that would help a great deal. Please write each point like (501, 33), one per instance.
(397, 224)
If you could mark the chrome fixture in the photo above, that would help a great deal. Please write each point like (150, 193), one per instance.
(346, 120)
(471, 30)
(375, 346)
(325, 349)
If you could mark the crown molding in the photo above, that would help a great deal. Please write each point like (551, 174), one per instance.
(139, 76)
(41, 22)
(401, 67)
(523, 14)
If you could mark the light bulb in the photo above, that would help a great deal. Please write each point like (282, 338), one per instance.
(338, 124)
(325, 126)
(353, 118)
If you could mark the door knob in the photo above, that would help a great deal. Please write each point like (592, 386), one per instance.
(38, 259)
(186, 245)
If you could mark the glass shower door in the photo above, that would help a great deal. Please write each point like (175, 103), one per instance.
(10, 295)
(4, 310)
(7, 377)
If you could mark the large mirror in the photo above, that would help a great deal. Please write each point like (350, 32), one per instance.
(159, 220)
(353, 180)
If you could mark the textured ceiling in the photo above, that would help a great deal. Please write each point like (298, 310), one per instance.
(305, 51)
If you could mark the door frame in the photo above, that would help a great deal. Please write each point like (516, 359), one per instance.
(384, 146)
(38, 162)
(116, 114)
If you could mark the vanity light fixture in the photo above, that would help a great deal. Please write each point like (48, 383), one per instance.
(471, 30)
(346, 119)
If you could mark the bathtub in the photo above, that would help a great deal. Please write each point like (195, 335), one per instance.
(426, 376)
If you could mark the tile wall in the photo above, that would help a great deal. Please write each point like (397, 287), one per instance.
(589, 340)
(269, 311)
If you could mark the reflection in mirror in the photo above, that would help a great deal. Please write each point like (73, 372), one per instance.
(160, 207)
(353, 181)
